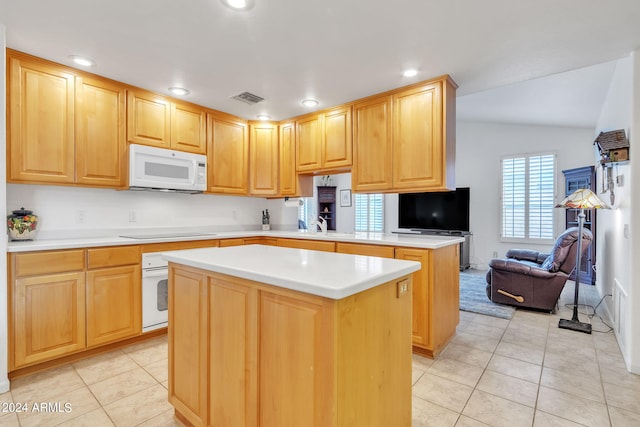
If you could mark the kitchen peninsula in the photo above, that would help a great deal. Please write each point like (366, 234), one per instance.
(264, 335)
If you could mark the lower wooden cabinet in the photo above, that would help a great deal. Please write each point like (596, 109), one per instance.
(288, 358)
(63, 302)
(314, 245)
(114, 303)
(49, 317)
(436, 297)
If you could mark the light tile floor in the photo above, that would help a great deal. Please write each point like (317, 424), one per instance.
(519, 372)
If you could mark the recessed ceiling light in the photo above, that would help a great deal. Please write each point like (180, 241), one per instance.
(310, 102)
(264, 117)
(410, 72)
(180, 91)
(238, 4)
(82, 60)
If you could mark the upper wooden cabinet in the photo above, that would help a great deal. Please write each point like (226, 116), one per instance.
(372, 145)
(156, 120)
(58, 119)
(41, 121)
(227, 154)
(324, 141)
(292, 184)
(263, 159)
(417, 126)
(100, 118)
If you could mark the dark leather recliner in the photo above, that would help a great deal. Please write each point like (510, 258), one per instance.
(528, 278)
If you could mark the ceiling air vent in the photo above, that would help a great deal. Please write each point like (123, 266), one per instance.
(248, 98)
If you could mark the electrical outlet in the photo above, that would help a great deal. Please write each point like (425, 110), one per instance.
(133, 216)
(495, 254)
(402, 288)
(81, 216)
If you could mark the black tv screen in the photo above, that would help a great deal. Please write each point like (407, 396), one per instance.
(446, 211)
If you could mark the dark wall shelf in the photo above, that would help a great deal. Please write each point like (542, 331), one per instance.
(327, 205)
(574, 179)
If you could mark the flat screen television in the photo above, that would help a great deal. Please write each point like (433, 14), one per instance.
(443, 211)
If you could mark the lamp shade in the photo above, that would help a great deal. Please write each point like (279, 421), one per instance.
(582, 198)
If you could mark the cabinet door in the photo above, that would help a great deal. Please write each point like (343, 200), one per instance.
(188, 338)
(263, 159)
(233, 358)
(49, 317)
(337, 146)
(114, 304)
(372, 145)
(40, 123)
(419, 156)
(227, 154)
(309, 143)
(296, 361)
(188, 125)
(288, 177)
(100, 128)
(148, 119)
(420, 294)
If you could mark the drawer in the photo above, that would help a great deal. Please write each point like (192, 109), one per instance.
(113, 256)
(313, 245)
(368, 250)
(35, 263)
(176, 246)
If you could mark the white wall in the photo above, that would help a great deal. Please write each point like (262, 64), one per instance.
(633, 361)
(4, 380)
(479, 147)
(613, 258)
(65, 211)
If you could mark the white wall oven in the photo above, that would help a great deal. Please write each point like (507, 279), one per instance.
(155, 292)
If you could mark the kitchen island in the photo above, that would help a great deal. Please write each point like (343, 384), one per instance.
(264, 335)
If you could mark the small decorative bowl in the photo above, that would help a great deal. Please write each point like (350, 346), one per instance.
(22, 224)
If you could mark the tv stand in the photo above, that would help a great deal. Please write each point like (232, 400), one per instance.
(464, 246)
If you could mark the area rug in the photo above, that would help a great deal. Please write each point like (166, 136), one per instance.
(473, 297)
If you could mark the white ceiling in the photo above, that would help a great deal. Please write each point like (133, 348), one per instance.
(333, 50)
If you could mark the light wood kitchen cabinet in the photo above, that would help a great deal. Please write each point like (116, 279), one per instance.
(46, 306)
(148, 119)
(314, 245)
(436, 297)
(309, 143)
(114, 294)
(292, 184)
(227, 154)
(188, 339)
(324, 141)
(41, 131)
(367, 250)
(291, 358)
(188, 128)
(372, 145)
(422, 123)
(159, 121)
(337, 143)
(263, 159)
(100, 119)
(225, 243)
(65, 301)
(59, 118)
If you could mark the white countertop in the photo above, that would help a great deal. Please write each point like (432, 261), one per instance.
(406, 240)
(327, 274)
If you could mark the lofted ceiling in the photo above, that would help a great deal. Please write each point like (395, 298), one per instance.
(332, 50)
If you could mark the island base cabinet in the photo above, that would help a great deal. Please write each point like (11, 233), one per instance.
(243, 353)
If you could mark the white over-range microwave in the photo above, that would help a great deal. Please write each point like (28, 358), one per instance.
(152, 168)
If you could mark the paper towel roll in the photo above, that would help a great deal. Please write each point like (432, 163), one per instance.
(292, 203)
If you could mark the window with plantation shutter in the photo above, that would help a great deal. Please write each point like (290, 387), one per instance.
(528, 188)
(369, 210)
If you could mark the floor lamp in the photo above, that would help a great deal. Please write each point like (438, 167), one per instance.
(582, 199)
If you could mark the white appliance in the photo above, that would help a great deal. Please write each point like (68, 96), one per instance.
(152, 168)
(155, 292)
